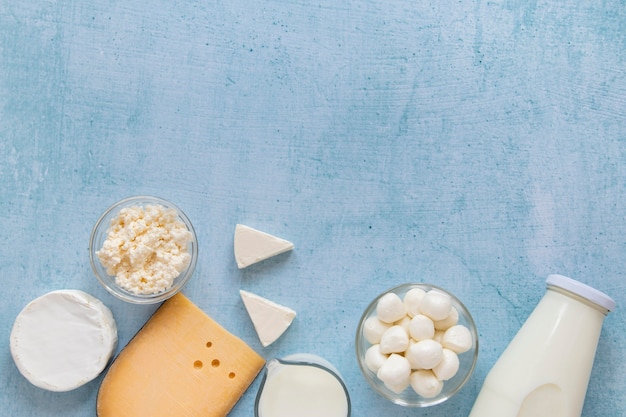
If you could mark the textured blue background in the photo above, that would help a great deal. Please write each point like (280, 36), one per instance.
(476, 145)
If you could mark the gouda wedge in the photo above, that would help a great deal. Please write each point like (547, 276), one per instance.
(181, 363)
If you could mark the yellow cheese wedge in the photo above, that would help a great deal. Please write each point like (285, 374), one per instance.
(181, 363)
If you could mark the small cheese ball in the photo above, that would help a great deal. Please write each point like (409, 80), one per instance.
(448, 366)
(424, 355)
(395, 373)
(457, 338)
(438, 335)
(374, 359)
(425, 383)
(373, 329)
(394, 340)
(435, 305)
(421, 327)
(451, 320)
(404, 323)
(412, 301)
(390, 308)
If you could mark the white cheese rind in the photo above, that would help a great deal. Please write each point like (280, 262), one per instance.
(63, 339)
(252, 246)
(270, 319)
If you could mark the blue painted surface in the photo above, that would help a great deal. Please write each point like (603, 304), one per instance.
(476, 145)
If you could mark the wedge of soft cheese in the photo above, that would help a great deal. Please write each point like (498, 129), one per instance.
(252, 246)
(181, 363)
(63, 339)
(270, 319)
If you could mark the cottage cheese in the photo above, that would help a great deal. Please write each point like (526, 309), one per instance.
(146, 248)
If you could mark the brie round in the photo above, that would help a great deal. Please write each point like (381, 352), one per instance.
(63, 339)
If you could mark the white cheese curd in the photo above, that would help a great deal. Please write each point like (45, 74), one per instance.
(449, 321)
(425, 354)
(390, 308)
(63, 339)
(421, 327)
(457, 338)
(425, 383)
(395, 373)
(448, 366)
(404, 323)
(373, 329)
(394, 340)
(146, 248)
(374, 358)
(435, 305)
(412, 301)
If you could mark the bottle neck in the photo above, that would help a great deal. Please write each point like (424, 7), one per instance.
(578, 298)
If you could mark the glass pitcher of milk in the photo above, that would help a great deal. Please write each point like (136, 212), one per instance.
(302, 385)
(544, 372)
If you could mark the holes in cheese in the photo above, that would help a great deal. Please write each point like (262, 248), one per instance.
(181, 363)
(252, 246)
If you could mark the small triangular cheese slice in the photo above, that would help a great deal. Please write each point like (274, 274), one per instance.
(270, 319)
(252, 246)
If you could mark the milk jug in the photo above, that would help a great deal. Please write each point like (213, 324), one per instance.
(544, 372)
(302, 385)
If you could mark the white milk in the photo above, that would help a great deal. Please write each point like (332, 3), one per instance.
(544, 372)
(302, 389)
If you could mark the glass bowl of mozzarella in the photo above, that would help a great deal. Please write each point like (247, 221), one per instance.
(416, 345)
(143, 249)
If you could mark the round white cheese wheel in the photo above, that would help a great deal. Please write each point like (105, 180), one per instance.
(63, 340)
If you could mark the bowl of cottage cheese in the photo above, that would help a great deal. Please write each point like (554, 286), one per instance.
(143, 249)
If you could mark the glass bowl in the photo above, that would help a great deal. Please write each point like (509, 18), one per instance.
(99, 235)
(408, 397)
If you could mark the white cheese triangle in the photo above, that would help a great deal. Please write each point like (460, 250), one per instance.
(270, 319)
(252, 246)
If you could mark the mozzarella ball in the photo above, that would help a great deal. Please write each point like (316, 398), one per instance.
(457, 338)
(451, 320)
(395, 373)
(373, 329)
(425, 383)
(390, 308)
(438, 335)
(421, 327)
(394, 340)
(404, 323)
(374, 359)
(412, 301)
(435, 305)
(448, 366)
(424, 355)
